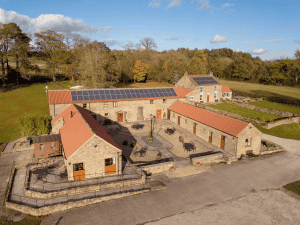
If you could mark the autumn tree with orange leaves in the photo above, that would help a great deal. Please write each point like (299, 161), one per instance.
(139, 71)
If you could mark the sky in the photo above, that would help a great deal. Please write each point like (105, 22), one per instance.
(268, 29)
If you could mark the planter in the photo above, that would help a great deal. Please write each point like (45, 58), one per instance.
(172, 169)
(198, 164)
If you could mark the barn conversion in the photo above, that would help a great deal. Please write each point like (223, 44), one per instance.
(234, 136)
(88, 150)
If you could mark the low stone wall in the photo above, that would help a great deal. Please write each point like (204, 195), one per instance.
(207, 159)
(281, 122)
(85, 189)
(158, 168)
(68, 205)
(272, 151)
(271, 111)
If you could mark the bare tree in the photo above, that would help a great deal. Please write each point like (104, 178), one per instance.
(128, 46)
(148, 43)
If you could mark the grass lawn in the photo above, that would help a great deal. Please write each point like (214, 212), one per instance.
(262, 116)
(280, 94)
(66, 83)
(294, 187)
(289, 131)
(16, 104)
(32, 220)
(151, 84)
(277, 106)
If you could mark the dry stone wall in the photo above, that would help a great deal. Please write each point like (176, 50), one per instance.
(207, 159)
(158, 168)
(281, 122)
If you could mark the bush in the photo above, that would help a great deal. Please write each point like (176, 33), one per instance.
(132, 144)
(125, 142)
(35, 125)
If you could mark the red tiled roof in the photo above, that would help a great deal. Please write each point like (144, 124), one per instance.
(222, 123)
(225, 88)
(61, 97)
(76, 131)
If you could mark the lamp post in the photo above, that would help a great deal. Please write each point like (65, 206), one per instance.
(151, 123)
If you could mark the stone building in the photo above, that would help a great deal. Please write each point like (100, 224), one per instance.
(226, 92)
(206, 88)
(118, 108)
(46, 145)
(88, 150)
(234, 136)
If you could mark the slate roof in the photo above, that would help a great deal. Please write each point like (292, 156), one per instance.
(79, 129)
(219, 122)
(64, 97)
(191, 77)
(225, 88)
(45, 138)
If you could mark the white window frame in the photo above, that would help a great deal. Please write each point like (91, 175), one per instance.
(228, 94)
(215, 95)
(115, 104)
(223, 94)
(52, 145)
(105, 104)
(201, 98)
(192, 98)
(201, 89)
(106, 116)
(42, 147)
(248, 142)
(216, 87)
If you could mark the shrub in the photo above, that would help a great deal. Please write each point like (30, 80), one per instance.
(125, 142)
(35, 125)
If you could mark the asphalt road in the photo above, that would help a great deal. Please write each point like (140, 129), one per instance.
(192, 194)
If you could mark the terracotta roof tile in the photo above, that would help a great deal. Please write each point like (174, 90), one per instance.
(225, 88)
(64, 97)
(76, 130)
(220, 122)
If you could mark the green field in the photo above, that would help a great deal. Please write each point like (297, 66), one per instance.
(65, 83)
(280, 94)
(16, 104)
(289, 131)
(262, 116)
(277, 106)
(294, 187)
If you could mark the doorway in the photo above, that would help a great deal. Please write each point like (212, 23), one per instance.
(207, 98)
(110, 166)
(222, 142)
(210, 137)
(158, 114)
(120, 117)
(194, 128)
(178, 120)
(79, 171)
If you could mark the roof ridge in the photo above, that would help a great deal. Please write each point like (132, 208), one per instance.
(86, 123)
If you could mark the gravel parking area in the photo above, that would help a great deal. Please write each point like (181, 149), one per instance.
(183, 150)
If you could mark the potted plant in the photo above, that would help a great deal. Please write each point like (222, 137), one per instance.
(198, 164)
(150, 137)
(181, 139)
(172, 168)
(164, 115)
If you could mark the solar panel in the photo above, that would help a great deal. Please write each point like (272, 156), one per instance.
(91, 92)
(84, 93)
(74, 98)
(79, 98)
(119, 97)
(96, 92)
(92, 97)
(97, 97)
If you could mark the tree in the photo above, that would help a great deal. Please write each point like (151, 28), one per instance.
(176, 78)
(128, 46)
(51, 47)
(139, 71)
(148, 43)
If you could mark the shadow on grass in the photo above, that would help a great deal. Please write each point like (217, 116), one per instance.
(270, 96)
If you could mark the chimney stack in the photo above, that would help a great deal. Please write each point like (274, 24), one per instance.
(71, 114)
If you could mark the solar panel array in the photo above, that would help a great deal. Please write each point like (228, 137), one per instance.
(204, 80)
(121, 94)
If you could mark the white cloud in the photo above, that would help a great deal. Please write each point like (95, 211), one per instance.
(173, 38)
(238, 50)
(155, 3)
(110, 42)
(227, 5)
(218, 39)
(297, 41)
(203, 4)
(174, 3)
(55, 22)
(258, 51)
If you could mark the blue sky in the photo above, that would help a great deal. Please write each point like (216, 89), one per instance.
(268, 29)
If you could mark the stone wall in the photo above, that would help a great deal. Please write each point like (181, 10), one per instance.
(272, 151)
(261, 109)
(68, 205)
(85, 189)
(208, 159)
(281, 122)
(158, 168)
(206, 89)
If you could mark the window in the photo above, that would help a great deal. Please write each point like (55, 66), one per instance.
(185, 120)
(192, 98)
(248, 142)
(84, 105)
(201, 89)
(110, 161)
(216, 86)
(228, 94)
(105, 104)
(201, 98)
(173, 115)
(223, 94)
(106, 114)
(78, 167)
(53, 145)
(215, 95)
(164, 100)
(151, 101)
(42, 147)
(115, 104)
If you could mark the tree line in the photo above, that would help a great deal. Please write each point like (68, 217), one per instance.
(91, 62)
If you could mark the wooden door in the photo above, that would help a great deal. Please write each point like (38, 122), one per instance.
(79, 171)
(222, 142)
(210, 137)
(178, 120)
(207, 98)
(110, 166)
(158, 114)
(120, 117)
(169, 114)
(194, 128)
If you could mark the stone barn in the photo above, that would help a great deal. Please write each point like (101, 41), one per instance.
(234, 136)
(88, 150)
